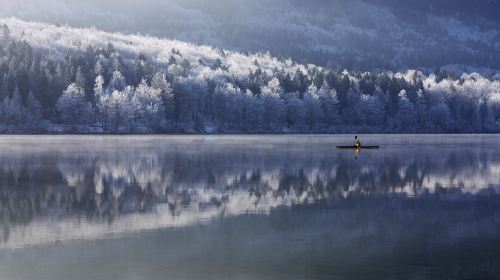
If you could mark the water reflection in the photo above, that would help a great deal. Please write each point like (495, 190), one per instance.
(65, 188)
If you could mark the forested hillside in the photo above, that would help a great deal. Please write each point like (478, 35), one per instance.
(61, 79)
(361, 35)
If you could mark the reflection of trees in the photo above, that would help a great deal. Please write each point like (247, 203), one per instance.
(103, 185)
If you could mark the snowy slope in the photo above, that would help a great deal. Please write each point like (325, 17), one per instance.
(58, 41)
(356, 34)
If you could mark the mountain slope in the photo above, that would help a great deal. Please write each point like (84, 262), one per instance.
(359, 34)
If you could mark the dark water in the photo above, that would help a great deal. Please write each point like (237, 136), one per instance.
(249, 207)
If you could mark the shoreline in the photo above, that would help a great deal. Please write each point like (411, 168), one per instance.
(236, 134)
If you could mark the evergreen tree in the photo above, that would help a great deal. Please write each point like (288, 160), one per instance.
(13, 111)
(80, 79)
(73, 106)
(159, 82)
(33, 108)
(117, 82)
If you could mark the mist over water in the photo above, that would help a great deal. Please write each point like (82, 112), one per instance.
(257, 207)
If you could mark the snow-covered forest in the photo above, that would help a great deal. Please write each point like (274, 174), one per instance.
(61, 79)
(353, 34)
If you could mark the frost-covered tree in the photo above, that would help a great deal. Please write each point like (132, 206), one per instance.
(80, 79)
(159, 82)
(103, 102)
(121, 113)
(148, 105)
(273, 104)
(117, 82)
(99, 67)
(73, 106)
(328, 102)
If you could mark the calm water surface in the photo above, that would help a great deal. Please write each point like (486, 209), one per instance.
(249, 207)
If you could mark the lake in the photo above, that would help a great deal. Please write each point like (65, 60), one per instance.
(249, 207)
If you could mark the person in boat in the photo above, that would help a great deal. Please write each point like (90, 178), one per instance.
(357, 143)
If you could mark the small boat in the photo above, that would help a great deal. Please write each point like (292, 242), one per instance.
(354, 147)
